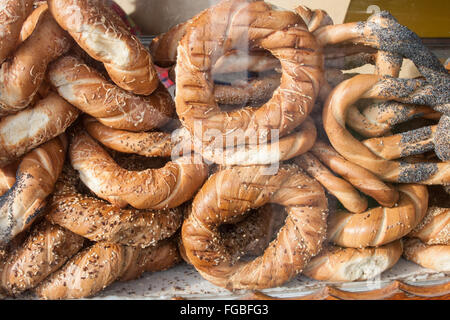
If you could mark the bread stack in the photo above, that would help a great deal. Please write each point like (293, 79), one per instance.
(104, 176)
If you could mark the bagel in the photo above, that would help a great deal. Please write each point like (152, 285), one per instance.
(380, 225)
(13, 14)
(89, 91)
(350, 264)
(247, 24)
(436, 257)
(163, 188)
(334, 118)
(26, 130)
(104, 36)
(98, 221)
(101, 264)
(22, 74)
(35, 180)
(226, 196)
(44, 251)
(434, 228)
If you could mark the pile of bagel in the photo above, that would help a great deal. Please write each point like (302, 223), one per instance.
(271, 160)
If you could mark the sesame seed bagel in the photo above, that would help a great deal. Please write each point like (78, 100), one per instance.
(380, 225)
(436, 257)
(43, 252)
(35, 180)
(230, 193)
(98, 221)
(22, 74)
(101, 264)
(102, 34)
(13, 14)
(352, 264)
(235, 24)
(26, 130)
(85, 88)
(163, 188)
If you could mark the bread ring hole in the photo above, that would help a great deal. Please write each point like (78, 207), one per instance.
(249, 235)
(135, 162)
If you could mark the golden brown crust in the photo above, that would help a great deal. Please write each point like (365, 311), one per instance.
(436, 257)
(231, 192)
(163, 188)
(360, 178)
(380, 225)
(148, 144)
(44, 251)
(23, 74)
(8, 176)
(341, 189)
(31, 22)
(26, 130)
(89, 91)
(13, 14)
(351, 264)
(96, 267)
(434, 228)
(374, 86)
(97, 220)
(36, 177)
(287, 147)
(105, 38)
(283, 34)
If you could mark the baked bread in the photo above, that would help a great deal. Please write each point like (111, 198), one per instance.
(436, 257)
(35, 180)
(26, 130)
(85, 88)
(104, 36)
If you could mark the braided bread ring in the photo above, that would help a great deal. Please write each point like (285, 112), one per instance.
(43, 252)
(380, 225)
(35, 180)
(105, 38)
(359, 177)
(436, 257)
(13, 14)
(89, 91)
(163, 188)
(281, 33)
(231, 192)
(334, 118)
(96, 267)
(99, 221)
(351, 264)
(434, 228)
(26, 130)
(22, 75)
